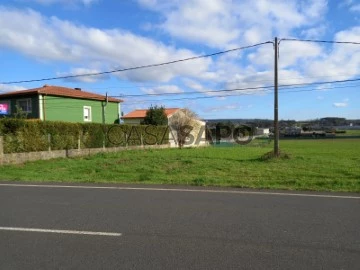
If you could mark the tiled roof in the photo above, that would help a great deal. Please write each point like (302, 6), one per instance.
(142, 113)
(60, 92)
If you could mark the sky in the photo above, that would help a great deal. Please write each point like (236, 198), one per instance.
(42, 39)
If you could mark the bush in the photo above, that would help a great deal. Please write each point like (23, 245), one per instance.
(28, 136)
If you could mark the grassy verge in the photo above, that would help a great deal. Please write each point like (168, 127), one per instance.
(323, 165)
(349, 133)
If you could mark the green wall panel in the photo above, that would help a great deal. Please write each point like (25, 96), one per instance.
(72, 110)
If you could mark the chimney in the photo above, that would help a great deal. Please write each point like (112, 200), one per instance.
(77, 88)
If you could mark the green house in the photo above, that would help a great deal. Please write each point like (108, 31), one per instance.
(55, 103)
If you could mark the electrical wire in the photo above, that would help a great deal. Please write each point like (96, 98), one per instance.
(139, 67)
(244, 89)
(220, 96)
(320, 41)
(154, 85)
(282, 89)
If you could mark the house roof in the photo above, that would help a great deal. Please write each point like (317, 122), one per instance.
(60, 92)
(142, 113)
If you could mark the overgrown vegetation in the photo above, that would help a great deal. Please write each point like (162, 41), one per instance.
(155, 116)
(183, 122)
(32, 135)
(323, 165)
(271, 155)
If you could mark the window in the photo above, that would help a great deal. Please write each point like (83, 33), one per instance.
(4, 107)
(87, 113)
(25, 105)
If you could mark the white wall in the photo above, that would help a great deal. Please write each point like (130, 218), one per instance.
(262, 131)
(132, 121)
(197, 135)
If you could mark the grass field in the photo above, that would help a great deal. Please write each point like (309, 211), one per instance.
(349, 133)
(322, 165)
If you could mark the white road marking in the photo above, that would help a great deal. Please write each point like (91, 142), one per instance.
(188, 190)
(19, 229)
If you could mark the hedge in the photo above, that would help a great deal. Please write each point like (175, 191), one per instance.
(34, 135)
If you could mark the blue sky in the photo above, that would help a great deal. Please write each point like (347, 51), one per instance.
(47, 38)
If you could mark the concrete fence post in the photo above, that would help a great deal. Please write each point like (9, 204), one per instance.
(1, 146)
(79, 142)
(49, 141)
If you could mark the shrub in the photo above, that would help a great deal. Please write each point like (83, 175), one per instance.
(27, 136)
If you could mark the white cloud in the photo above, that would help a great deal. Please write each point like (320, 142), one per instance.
(289, 54)
(315, 8)
(342, 62)
(355, 8)
(340, 104)
(352, 34)
(10, 88)
(263, 56)
(226, 107)
(162, 89)
(52, 39)
(214, 25)
(86, 79)
(197, 86)
(63, 2)
(324, 87)
(314, 32)
(226, 23)
(155, 4)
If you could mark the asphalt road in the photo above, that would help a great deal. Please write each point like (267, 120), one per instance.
(163, 229)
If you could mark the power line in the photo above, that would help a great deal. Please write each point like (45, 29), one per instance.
(199, 92)
(219, 96)
(282, 88)
(244, 89)
(319, 83)
(177, 61)
(154, 85)
(139, 67)
(283, 91)
(314, 89)
(320, 41)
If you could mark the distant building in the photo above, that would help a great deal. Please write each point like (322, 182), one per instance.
(198, 133)
(262, 131)
(332, 121)
(56, 103)
(292, 131)
(137, 116)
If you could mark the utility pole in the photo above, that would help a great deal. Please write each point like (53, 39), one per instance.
(276, 106)
(104, 104)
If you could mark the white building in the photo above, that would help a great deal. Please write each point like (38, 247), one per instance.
(262, 131)
(197, 136)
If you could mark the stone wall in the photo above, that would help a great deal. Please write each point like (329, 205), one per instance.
(18, 158)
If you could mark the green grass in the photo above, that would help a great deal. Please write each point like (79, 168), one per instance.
(323, 165)
(355, 132)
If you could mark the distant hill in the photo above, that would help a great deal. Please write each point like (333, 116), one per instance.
(265, 123)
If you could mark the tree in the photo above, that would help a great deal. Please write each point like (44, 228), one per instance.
(155, 116)
(19, 113)
(183, 122)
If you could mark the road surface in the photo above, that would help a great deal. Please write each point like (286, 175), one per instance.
(134, 227)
